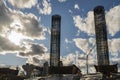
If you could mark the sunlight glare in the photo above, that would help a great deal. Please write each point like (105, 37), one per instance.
(15, 37)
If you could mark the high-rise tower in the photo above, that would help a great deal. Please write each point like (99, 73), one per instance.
(102, 45)
(55, 41)
(101, 36)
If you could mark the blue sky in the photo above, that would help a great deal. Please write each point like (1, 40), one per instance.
(25, 30)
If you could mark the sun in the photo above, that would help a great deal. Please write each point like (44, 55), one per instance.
(15, 37)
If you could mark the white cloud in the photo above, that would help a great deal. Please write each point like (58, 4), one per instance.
(67, 41)
(39, 60)
(85, 25)
(4, 66)
(23, 3)
(82, 44)
(47, 8)
(34, 49)
(76, 6)
(113, 20)
(35, 54)
(80, 61)
(92, 41)
(32, 27)
(69, 59)
(70, 11)
(7, 46)
(12, 21)
(5, 16)
(62, 0)
(87, 46)
(115, 60)
(27, 24)
(114, 46)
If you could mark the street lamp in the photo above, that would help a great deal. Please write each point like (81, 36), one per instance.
(87, 57)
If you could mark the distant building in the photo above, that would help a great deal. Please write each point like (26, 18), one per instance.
(9, 74)
(35, 73)
(45, 69)
(8, 71)
(28, 69)
(61, 63)
(101, 36)
(55, 41)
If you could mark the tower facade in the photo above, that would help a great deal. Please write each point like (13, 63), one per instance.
(55, 41)
(101, 36)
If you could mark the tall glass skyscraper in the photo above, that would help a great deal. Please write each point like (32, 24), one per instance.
(101, 36)
(55, 41)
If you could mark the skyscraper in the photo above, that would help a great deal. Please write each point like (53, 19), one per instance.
(55, 41)
(101, 36)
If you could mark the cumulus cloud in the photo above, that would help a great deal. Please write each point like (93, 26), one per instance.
(76, 6)
(115, 60)
(15, 25)
(62, 0)
(87, 46)
(47, 9)
(23, 3)
(83, 44)
(5, 18)
(85, 25)
(114, 50)
(67, 41)
(4, 66)
(80, 61)
(69, 59)
(92, 41)
(113, 20)
(73, 58)
(34, 49)
(27, 24)
(32, 27)
(70, 11)
(114, 46)
(80, 43)
(39, 60)
(24, 26)
(7, 46)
